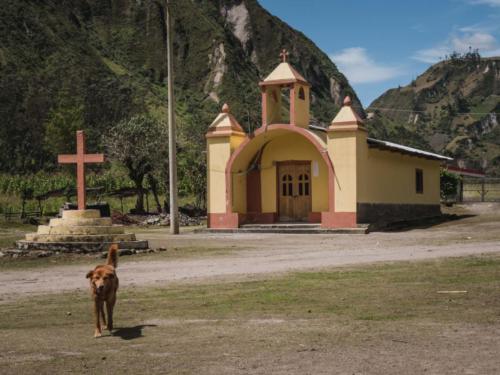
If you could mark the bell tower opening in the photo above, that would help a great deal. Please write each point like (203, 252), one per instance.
(278, 104)
(285, 96)
(302, 95)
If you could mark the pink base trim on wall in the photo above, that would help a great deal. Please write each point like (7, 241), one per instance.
(315, 217)
(223, 221)
(327, 219)
(338, 220)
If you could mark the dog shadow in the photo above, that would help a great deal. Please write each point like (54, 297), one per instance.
(131, 333)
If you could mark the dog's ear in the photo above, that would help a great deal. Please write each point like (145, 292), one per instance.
(89, 274)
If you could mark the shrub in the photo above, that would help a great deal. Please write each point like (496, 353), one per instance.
(449, 184)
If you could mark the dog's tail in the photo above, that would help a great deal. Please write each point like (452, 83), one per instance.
(112, 255)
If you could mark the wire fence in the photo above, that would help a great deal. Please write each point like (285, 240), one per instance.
(480, 190)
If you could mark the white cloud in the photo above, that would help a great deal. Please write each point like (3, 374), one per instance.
(432, 55)
(478, 28)
(481, 41)
(492, 3)
(486, 44)
(360, 68)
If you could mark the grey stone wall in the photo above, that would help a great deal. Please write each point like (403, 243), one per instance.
(380, 214)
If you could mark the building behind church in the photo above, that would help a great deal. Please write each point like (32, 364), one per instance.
(290, 171)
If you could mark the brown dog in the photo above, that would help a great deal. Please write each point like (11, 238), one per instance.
(103, 285)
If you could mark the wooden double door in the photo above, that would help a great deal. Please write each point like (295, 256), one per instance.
(294, 191)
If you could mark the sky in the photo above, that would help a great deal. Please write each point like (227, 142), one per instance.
(381, 44)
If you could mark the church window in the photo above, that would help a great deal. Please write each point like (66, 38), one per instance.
(419, 181)
(302, 94)
(286, 185)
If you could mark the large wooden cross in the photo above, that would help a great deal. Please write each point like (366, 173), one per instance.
(80, 159)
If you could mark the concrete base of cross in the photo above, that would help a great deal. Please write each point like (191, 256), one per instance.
(80, 231)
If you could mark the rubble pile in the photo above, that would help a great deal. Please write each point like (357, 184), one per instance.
(124, 219)
(24, 253)
(164, 219)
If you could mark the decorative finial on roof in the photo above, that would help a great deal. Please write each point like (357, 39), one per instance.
(284, 55)
(347, 101)
(225, 108)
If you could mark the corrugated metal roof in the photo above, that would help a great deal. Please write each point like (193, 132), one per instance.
(395, 146)
(317, 127)
(405, 149)
(466, 171)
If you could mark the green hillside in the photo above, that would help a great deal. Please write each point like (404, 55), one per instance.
(87, 64)
(452, 108)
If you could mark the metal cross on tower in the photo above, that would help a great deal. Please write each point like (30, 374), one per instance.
(80, 159)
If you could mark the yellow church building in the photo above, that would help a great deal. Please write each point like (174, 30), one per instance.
(290, 171)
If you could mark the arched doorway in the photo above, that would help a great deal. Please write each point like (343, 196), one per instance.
(281, 173)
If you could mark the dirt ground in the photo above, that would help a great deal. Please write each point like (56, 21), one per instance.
(377, 319)
(243, 256)
(415, 301)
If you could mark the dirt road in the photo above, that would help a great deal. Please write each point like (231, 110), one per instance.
(251, 255)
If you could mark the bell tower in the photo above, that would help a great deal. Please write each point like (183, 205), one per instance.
(285, 78)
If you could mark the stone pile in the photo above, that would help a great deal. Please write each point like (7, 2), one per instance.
(119, 218)
(164, 219)
(18, 253)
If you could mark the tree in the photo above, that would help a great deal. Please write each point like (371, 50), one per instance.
(193, 174)
(449, 184)
(138, 143)
(194, 121)
(60, 128)
(154, 186)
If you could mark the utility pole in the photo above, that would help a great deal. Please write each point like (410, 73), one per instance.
(172, 157)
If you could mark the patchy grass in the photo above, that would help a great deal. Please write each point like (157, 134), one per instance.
(28, 263)
(8, 263)
(297, 323)
(11, 231)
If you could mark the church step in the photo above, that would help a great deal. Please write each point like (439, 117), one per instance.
(80, 229)
(101, 221)
(81, 214)
(281, 226)
(35, 237)
(315, 230)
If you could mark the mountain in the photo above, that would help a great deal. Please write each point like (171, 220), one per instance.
(452, 108)
(87, 64)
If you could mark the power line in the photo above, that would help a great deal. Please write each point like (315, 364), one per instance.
(416, 111)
